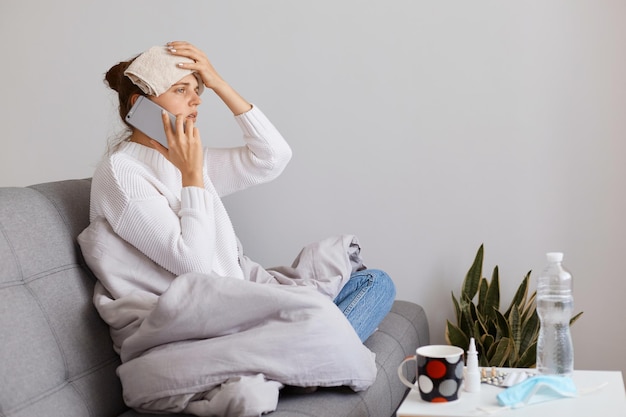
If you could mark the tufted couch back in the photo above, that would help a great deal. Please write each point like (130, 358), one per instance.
(56, 356)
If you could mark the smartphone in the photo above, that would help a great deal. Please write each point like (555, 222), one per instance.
(145, 115)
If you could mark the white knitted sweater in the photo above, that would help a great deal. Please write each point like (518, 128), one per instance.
(140, 194)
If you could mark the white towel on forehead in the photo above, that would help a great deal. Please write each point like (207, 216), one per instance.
(156, 70)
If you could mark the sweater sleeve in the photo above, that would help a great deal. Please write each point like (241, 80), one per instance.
(263, 157)
(178, 240)
(180, 243)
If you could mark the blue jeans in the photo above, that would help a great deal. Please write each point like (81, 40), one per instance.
(366, 299)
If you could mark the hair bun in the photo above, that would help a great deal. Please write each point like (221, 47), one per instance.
(115, 77)
(123, 86)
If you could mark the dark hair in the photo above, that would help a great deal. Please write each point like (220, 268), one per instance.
(124, 87)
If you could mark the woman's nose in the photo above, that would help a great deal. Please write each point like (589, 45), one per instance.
(196, 100)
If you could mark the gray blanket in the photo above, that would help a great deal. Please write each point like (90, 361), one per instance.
(219, 346)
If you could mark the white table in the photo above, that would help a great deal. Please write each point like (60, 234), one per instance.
(608, 401)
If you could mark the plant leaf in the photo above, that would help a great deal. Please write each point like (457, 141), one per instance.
(482, 294)
(502, 352)
(531, 307)
(530, 331)
(519, 299)
(457, 309)
(516, 332)
(483, 360)
(492, 326)
(492, 300)
(466, 324)
(486, 341)
(472, 278)
(576, 317)
(455, 336)
(491, 352)
(528, 359)
(473, 311)
(502, 325)
(477, 333)
(478, 323)
(481, 322)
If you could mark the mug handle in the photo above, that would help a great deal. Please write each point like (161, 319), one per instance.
(401, 374)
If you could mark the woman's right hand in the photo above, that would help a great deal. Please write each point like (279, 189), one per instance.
(185, 149)
(209, 75)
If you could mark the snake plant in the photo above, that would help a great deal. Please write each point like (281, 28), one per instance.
(503, 339)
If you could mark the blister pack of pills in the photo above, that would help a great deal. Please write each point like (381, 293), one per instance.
(503, 378)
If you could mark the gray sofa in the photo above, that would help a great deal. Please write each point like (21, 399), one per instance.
(56, 356)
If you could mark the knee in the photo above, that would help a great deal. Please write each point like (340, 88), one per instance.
(382, 282)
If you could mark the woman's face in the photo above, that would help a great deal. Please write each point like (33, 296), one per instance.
(181, 98)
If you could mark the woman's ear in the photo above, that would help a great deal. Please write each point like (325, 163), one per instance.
(134, 98)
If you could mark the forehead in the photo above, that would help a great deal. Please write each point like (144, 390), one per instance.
(188, 80)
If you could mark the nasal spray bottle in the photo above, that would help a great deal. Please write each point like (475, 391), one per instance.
(472, 373)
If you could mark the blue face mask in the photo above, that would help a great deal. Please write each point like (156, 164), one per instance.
(537, 389)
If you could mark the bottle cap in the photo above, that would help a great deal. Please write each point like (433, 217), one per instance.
(472, 346)
(554, 256)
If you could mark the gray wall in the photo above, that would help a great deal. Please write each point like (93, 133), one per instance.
(424, 127)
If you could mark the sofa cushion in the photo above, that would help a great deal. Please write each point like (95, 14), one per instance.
(57, 357)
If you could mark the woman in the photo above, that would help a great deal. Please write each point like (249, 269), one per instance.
(166, 201)
(165, 205)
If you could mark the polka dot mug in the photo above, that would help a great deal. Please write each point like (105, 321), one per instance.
(439, 372)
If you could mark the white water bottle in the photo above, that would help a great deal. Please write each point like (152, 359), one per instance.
(555, 304)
